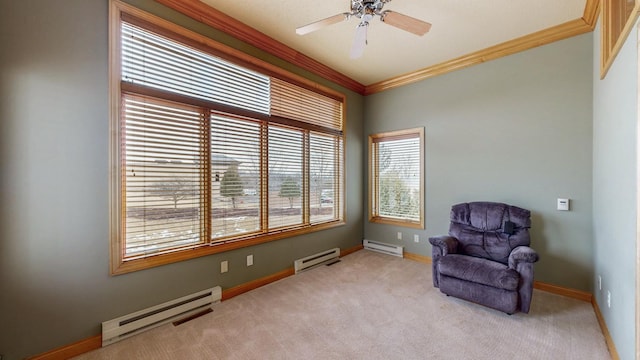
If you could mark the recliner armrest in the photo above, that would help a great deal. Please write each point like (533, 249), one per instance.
(522, 254)
(446, 244)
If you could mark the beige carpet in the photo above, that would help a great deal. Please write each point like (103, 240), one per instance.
(370, 306)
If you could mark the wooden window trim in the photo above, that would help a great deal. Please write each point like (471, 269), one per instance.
(166, 95)
(119, 10)
(616, 27)
(374, 139)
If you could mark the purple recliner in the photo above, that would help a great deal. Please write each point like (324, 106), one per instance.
(486, 258)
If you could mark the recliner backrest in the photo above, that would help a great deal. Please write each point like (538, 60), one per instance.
(481, 231)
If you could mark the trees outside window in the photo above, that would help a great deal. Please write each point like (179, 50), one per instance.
(290, 189)
(174, 189)
(231, 184)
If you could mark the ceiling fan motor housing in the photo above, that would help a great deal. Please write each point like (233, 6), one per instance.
(360, 8)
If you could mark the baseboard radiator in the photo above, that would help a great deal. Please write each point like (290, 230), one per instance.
(318, 259)
(139, 321)
(389, 249)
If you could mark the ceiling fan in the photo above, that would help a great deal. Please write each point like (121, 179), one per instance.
(366, 10)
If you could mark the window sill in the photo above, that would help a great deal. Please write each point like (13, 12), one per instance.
(397, 222)
(215, 248)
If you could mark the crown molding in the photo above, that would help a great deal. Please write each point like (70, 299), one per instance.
(206, 14)
(591, 12)
(543, 37)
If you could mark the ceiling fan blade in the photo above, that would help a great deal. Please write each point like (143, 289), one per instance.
(303, 30)
(406, 23)
(359, 41)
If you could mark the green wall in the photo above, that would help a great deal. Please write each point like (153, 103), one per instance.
(615, 104)
(55, 287)
(514, 130)
(524, 129)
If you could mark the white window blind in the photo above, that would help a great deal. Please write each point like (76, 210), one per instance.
(286, 177)
(396, 170)
(151, 60)
(325, 176)
(161, 166)
(235, 180)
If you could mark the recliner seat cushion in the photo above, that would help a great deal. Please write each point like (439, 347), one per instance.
(480, 229)
(479, 270)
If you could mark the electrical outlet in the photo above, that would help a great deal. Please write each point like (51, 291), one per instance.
(399, 235)
(609, 299)
(224, 266)
(416, 238)
(249, 260)
(599, 282)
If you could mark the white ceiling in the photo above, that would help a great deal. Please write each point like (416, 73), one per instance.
(459, 27)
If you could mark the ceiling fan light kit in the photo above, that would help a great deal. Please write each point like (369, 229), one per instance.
(359, 41)
(366, 10)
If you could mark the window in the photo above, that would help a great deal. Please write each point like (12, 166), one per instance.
(618, 18)
(213, 151)
(396, 178)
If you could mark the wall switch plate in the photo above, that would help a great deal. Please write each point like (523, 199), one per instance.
(416, 238)
(399, 235)
(249, 260)
(563, 204)
(608, 299)
(224, 266)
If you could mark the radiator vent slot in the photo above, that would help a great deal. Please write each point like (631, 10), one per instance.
(316, 260)
(389, 249)
(128, 325)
